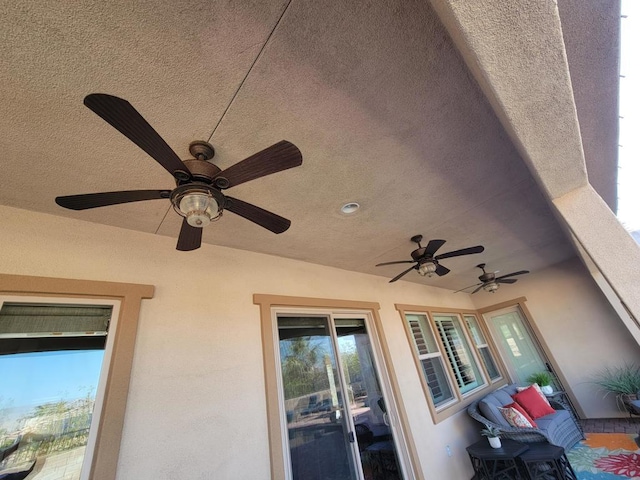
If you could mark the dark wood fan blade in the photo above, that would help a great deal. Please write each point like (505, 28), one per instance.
(440, 270)
(398, 277)
(506, 280)
(264, 218)
(281, 156)
(477, 289)
(470, 286)
(462, 251)
(190, 238)
(394, 263)
(94, 200)
(433, 246)
(521, 272)
(121, 115)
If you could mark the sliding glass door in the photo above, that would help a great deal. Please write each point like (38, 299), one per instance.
(336, 414)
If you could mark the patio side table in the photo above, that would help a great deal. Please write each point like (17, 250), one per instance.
(496, 463)
(546, 461)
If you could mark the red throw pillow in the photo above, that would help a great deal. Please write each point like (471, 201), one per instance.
(533, 403)
(524, 413)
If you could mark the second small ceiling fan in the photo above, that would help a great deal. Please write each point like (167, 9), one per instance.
(489, 282)
(426, 262)
(198, 196)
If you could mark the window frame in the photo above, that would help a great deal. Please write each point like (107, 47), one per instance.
(104, 458)
(460, 400)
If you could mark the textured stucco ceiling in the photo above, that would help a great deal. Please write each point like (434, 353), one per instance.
(375, 95)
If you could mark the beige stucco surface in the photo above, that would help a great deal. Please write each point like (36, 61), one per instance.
(196, 404)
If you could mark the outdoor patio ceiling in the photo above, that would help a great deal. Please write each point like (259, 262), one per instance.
(377, 96)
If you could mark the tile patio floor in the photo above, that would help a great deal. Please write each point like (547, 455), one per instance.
(61, 466)
(611, 425)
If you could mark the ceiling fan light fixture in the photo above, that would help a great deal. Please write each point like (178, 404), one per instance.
(427, 269)
(198, 204)
(490, 287)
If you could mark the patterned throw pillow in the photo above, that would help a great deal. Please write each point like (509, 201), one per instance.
(515, 418)
(537, 387)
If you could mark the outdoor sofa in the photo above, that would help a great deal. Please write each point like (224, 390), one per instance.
(560, 428)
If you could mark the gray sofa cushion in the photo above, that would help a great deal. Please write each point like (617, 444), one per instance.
(489, 410)
(488, 406)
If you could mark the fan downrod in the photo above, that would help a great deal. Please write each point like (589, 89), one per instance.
(201, 150)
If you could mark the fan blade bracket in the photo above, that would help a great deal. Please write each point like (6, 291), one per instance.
(222, 183)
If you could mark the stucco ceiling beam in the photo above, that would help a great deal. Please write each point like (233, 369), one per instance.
(516, 52)
(597, 229)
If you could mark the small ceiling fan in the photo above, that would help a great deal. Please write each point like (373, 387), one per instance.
(426, 262)
(489, 282)
(198, 194)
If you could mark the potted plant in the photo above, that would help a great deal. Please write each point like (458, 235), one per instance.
(623, 381)
(493, 434)
(543, 379)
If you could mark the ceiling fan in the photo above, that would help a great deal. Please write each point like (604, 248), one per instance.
(425, 260)
(198, 194)
(489, 282)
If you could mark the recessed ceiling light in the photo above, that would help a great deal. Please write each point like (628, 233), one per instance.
(349, 208)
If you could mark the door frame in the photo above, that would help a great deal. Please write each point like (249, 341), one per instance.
(537, 338)
(270, 305)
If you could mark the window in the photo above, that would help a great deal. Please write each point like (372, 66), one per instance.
(430, 360)
(51, 356)
(463, 364)
(454, 356)
(483, 347)
(104, 458)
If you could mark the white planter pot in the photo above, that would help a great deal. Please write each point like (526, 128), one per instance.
(547, 389)
(495, 442)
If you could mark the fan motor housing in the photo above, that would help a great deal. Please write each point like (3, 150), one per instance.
(202, 170)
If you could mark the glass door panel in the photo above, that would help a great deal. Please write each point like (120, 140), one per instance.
(320, 435)
(516, 344)
(366, 402)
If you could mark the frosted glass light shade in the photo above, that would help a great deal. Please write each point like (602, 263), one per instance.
(198, 208)
(490, 287)
(427, 269)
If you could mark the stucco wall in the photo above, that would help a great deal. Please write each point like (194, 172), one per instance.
(582, 330)
(196, 406)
